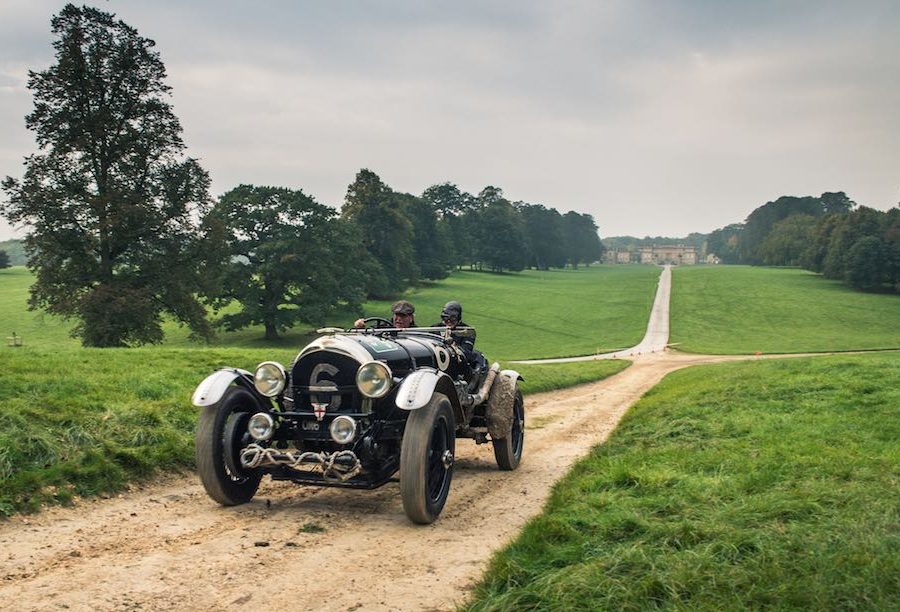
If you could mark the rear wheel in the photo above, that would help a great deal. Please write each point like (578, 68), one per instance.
(221, 434)
(426, 460)
(508, 450)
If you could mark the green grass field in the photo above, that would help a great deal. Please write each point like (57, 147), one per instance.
(767, 484)
(739, 309)
(533, 314)
(518, 316)
(79, 421)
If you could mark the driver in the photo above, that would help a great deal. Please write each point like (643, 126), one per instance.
(402, 315)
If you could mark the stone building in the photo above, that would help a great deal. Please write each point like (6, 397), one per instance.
(656, 254)
(617, 256)
(677, 254)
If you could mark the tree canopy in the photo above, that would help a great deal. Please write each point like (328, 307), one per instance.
(582, 241)
(387, 233)
(113, 206)
(828, 234)
(289, 259)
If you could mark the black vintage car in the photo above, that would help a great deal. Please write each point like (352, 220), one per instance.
(353, 409)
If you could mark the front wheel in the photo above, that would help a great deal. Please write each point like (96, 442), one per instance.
(508, 450)
(221, 433)
(426, 460)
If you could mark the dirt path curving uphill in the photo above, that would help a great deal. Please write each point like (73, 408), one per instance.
(169, 546)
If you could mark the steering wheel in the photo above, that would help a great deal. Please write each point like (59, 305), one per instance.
(379, 322)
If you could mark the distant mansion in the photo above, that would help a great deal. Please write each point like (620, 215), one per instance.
(677, 254)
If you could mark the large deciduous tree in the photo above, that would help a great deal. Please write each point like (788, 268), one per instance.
(865, 264)
(387, 233)
(4, 260)
(544, 236)
(112, 204)
(290, 259)
(497, 229)
(724, 243)
(582, 241)
(501, 242)
(788, 241)
(453, 208)
(430, 239)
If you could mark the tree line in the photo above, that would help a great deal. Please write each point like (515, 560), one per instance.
(829, 234)
(124, 231)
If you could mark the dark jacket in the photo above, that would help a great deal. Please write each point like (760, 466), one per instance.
(465, 343)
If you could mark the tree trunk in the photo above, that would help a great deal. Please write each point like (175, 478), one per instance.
(271, 331)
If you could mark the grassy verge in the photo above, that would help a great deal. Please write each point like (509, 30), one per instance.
(547, 377)
(739, 309)
(738, 486)
(88, 421)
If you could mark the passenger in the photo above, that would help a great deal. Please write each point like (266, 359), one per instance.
(402, 315)
(451, 316)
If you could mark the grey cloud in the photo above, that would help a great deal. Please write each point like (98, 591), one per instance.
(656, 117)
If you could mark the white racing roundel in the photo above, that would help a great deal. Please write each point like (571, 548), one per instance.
(443, 357)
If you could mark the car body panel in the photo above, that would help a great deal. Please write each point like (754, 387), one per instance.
(416, 389)
(213, 387)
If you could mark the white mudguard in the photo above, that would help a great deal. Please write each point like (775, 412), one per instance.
(416, 389)
(512, 374)
(213, 387)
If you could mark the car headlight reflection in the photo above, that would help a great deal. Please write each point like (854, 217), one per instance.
(269, 378)
(261, 426)
(373, 379)
(343, 429)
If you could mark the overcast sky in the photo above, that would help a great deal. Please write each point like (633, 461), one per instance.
(659, 118)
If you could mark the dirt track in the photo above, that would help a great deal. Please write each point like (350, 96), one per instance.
(169, 546)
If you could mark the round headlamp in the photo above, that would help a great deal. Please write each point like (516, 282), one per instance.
(373, 379)
(261, 426)
(343, 429)
(269, 378)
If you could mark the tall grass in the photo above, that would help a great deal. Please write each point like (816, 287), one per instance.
(739, 309)
(81, 422)
(740, 486)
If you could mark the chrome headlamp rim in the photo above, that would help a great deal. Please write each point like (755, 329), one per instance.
(280, 378)
(386, 375)
(269, 423)
(334, 426)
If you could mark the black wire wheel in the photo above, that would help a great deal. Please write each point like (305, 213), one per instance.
(426, 460)
(221, 434)
(508, 450)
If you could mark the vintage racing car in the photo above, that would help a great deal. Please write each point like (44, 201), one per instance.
(354, 408)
